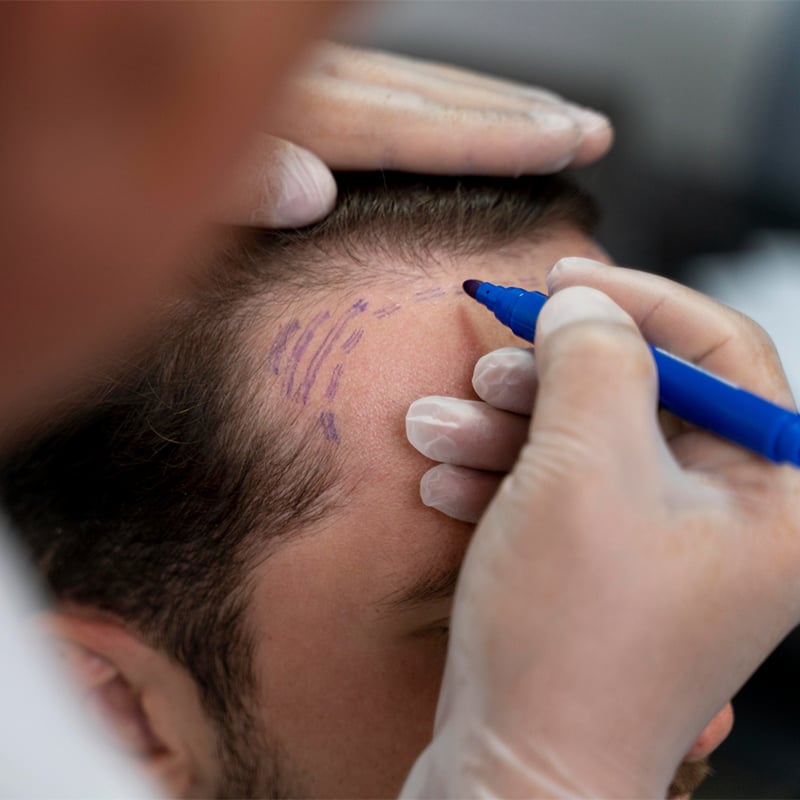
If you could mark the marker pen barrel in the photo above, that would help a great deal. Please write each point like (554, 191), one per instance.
(689, 392)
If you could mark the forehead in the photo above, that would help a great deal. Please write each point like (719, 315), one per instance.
(345, 358)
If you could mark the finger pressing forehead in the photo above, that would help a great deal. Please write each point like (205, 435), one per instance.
(686, 323)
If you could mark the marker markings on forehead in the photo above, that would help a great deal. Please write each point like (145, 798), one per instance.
(292, 349)
(333, 384)
(328, 424)
(387, 310)
(426, 295)
(352, 340)
(300, 348)
(323, 351)
(275, 355)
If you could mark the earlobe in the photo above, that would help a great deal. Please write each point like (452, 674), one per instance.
(146, 699)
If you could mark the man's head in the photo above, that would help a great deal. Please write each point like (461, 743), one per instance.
(246, 576)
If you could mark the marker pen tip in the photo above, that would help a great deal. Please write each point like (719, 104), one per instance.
(471, 287)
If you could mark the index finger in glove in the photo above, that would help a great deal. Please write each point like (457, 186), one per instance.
(465, 432)
(277, 184)
(506, 378)
(366, 110)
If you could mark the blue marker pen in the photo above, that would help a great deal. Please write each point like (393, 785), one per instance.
(687, 391)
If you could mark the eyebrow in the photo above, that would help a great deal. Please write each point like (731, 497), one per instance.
(432, 586)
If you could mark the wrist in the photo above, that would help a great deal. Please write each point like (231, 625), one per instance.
(471, 759)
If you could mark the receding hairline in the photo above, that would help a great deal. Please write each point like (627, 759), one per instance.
(411, 222)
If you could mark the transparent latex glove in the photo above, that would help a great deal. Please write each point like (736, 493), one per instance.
(619, 587)
(357, 109)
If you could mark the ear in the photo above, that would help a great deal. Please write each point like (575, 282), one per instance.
(149, 701)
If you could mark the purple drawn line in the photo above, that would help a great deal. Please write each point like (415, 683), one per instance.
(387, 311)
(352, 340)
(433, 293)
(328, 426)
(333, 384)
(275, 355)
(324, 350)
(300, 348)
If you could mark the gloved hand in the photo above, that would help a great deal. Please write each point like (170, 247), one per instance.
(360, 109)
(621, 585)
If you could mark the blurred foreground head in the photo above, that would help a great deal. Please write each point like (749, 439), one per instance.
(119, 121)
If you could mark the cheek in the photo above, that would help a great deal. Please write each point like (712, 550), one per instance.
(350, 699)
(370, 714)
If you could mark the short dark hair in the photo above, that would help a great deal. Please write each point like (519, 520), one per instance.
(150, 502)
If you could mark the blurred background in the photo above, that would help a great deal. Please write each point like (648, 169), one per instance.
(703, 185)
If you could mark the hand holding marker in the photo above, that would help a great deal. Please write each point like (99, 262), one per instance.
(689, 392)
